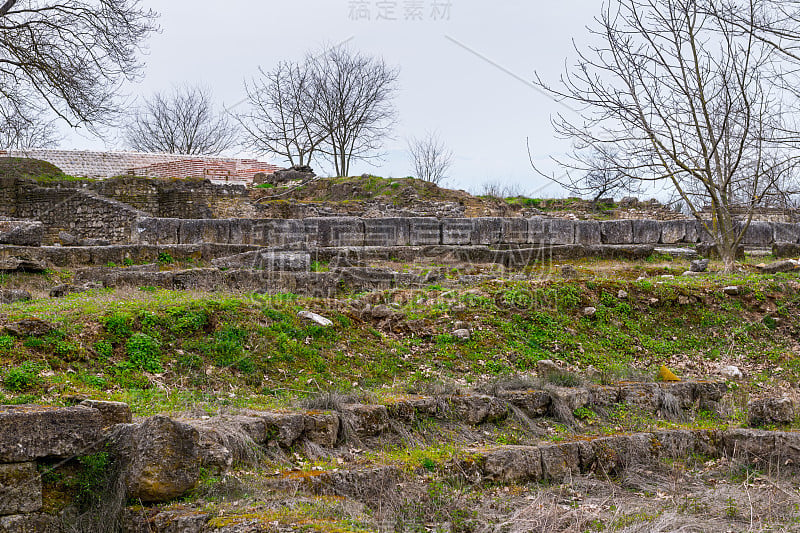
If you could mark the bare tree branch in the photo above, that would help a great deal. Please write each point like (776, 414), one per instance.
(183, 122)
(430, 158)
(682, 94)
(70, 55)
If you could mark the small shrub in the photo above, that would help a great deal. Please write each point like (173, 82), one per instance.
(165, 259)
(104, 349)
(6, 343)
(23, 377)
(144, 353)
(92, 481)
(118, 326)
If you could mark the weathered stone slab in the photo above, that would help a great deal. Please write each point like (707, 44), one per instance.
(425, 232)
(278, 232)
(646, 231)
(21, 232)
(551, 231)
(20, 489)
(30, 523)
(673, 231)
(160, 458)
(513, 464)
(514, 231)
(458, 231)
(321, 428)
(758, 233)
(487, 230)
(786, 249)
(241, 231)
(366, 420)
(616, 231)
(587, 232)
(560, 462)
(387, 232)
(267, 260)
(205, 231)
(112, 412)
(284, 428)
(335, 231)
(155, 231)
(789, 233)
(533, 403)
(477, 409)
(30, 432)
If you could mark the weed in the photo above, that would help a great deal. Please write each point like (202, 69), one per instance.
(144, 353)
(23, 377)
(165, 258)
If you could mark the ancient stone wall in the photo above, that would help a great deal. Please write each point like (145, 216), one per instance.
(72, 209)
(356, 232)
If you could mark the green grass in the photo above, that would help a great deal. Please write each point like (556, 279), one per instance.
(258, 350)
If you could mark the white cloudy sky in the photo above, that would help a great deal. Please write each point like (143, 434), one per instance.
(481, 110)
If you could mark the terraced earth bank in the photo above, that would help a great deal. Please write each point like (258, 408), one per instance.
(525, 373)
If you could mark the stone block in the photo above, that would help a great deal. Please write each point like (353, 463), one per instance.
(513, 464)
(284, 428)
(278, 232)
(769, 411)
(674, 231)
(20, 489)
(205, 231)
(159, 458)
(425, 232)
(366, 420)
(532, 403)
(487, 230)
(616, 231)
(477, 409)
(21, 232)
(30, 523)
(112, 412)
(754, 445)
(270, 261)
(787, 233)
(334, 231)
(646, 231)
(514, 231)
(241, 231)
(758, 233)
(321, 429)
(458, 231)
(551, 231)
(560, 462)
(587, 232)
(30, 432)
(387, 232)
(693, 228)
(785, 249)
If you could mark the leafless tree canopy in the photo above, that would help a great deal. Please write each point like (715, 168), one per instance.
(682, 92)
(31, 129)
(281, 119)
(336, 105)
(430, 157)
(182, 122)
(68, 55)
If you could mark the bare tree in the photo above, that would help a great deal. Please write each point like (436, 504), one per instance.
(282, 119)
(32, 128)
(602, 178)
(690, 99)
(430, 157)
(182, 122)
(354, 94)
(69, 55)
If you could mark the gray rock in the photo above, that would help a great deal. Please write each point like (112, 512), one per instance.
(30, 523)
(758, 233)
(513, 464)
(29, 327)
(284, 428)
(546, 367)
(477, 409)
(673, 231)
(560, 462)
(314, 317)
(10, 296)
(646, 231)
(462, 334)
(616, 231)
(789, 265)
(20, 489)
(366, 420)
(21, 232)
(30, 432)
(112, 412)
(60, 291)
(267, 260)
(731, 372)
(587, 232)
(788, 233)
(159, 458)
(731, 290)
(589, 311)
(321, 428)
(569, 272)
(22, 264)
(770, 411)
(699, 265)
(532, 403)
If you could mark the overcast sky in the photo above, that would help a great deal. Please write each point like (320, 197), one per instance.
(460, 68)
